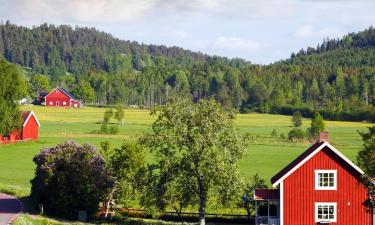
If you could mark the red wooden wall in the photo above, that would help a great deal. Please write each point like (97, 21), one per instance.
(57, 98)
(30, 130)
(300, 195)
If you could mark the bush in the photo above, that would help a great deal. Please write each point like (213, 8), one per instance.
(69, 178)
(113, 130)
(296, 134)
(274, 133)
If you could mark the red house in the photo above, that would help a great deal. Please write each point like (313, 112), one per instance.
(59, 97)
(321, 186)
(30, 129)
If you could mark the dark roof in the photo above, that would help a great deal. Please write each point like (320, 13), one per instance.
(25, 114)
(43, 94)
(67, 93)
(266, 194)
(294, 163)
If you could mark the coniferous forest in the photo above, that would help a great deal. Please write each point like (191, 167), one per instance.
(336, 78)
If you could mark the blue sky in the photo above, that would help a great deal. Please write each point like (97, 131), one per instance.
(261, 31)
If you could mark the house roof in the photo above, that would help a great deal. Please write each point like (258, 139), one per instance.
(304, 157)
(67, 93)
(26, 115)
(266, 194)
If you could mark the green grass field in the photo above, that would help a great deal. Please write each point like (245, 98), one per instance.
(265, 155)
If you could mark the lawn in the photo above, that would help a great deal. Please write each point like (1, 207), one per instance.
(265, 155)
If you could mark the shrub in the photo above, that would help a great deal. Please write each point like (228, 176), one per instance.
(113, 130)
(274, 133)
(296, 134)
(69, 178)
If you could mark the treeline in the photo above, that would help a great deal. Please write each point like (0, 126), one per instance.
(337, 78)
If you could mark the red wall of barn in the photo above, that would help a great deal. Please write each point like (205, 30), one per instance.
(57, 98)
(30, 130)
(300, 195)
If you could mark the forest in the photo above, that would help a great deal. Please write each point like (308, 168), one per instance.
(336, 78)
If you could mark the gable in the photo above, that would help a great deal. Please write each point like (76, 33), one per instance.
(58, 92)
(27, 116)
(306, 156)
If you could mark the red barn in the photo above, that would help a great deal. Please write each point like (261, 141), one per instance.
(30, 129)
(59, 97)
(321, 186)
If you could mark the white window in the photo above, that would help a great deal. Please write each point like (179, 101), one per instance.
(64, 103)
(50, 103)
(325, 212)
(57, 91)
(325, 179)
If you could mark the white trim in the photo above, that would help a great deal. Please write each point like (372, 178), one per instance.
(28, 117)
(317, 187)
(324, 144)
(59, 90)
(281, 203)
(317, 220)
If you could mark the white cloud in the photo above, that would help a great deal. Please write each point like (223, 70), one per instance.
(90, 11)
(179, 34)
(308, 31)
(236, 43)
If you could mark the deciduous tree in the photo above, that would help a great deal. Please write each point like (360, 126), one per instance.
(198, 142)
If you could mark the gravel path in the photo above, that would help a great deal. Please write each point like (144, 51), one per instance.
(10, 207)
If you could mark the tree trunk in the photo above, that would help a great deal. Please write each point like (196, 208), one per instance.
(202, 209)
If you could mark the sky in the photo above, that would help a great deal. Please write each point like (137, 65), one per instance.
(261, 31)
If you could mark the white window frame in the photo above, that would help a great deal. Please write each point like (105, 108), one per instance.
(50, 103)
(334, 204)
(317, 187)
(64, 103)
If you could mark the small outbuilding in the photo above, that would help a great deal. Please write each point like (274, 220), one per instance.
(29, 130)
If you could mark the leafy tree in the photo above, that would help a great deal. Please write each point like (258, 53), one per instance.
(38, 83)
(12, 88)
(317, 125)
(247, 202)
(366, 160)
(70, 177)
(297, 119)
(366, 157)
(274, 133)
(119, 114)
(108, 114)
(198, 142)
(126, 165)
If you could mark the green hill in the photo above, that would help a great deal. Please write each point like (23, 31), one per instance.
(336, 78)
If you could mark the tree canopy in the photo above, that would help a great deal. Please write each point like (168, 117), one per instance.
(196, 152)
(12, 89)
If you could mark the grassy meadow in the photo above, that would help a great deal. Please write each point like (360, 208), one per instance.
(266, 155)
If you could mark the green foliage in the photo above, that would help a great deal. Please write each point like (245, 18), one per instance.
(317, 126)
(296, 134)
(248, 202)
(119, 113)
(337, 78)
(297, 119)
(274, 133)
(107, 116)
(12, 88)
(127, 166)
(195, 146)
(366, 157)
(69, 178)
(38, 83)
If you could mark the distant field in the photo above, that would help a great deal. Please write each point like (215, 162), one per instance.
(265, 155)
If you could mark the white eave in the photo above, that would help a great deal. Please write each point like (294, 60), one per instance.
(28, 117)
(324, 144)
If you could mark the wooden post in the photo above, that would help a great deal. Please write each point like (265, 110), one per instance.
(268, 211)
(256, 212)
